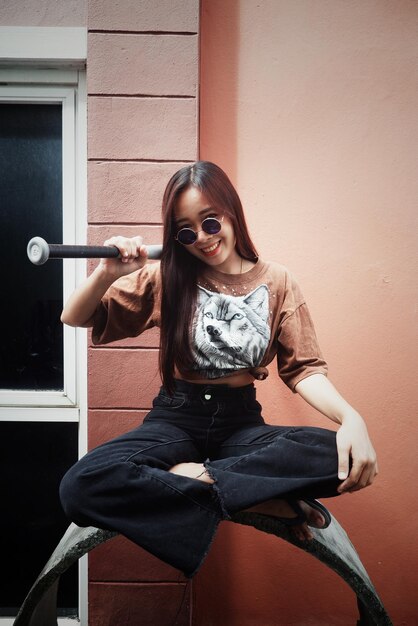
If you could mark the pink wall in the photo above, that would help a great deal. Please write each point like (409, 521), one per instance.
(311, 107)
(142, 76)
(43, 13)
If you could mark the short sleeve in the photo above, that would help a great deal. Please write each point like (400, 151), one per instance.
(128, 308)
(298, 351)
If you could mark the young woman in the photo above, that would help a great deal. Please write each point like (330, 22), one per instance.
(204, 451)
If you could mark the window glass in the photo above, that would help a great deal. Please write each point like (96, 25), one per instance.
(31, 350)
(34, 457)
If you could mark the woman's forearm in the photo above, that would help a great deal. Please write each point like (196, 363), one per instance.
(353, 442)
(82, 304)
(320, 393)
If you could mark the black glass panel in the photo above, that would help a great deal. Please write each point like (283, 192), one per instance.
(31, 349)
(34, 457)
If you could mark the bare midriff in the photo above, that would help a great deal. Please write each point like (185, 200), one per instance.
(240, 379)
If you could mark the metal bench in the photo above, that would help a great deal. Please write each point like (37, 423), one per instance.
(331, 546)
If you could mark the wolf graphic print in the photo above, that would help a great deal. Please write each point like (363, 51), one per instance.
(230, 332)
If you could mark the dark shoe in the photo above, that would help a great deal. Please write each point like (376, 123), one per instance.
(293, 521)
(315, 504)
(301, 516)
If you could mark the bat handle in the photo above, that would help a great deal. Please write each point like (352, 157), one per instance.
(39, 251)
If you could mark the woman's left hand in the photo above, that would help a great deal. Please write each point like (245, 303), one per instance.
(353, 443)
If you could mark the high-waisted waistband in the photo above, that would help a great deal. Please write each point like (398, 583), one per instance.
(217, 392)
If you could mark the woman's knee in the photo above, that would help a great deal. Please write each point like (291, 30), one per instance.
(316, 436)
(76, 494)
(94, 485)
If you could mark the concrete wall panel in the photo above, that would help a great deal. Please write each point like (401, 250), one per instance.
(142, 128)
(97, 235)
(122, 604)
(127, 192)
(105, 424)
(43, 13)
(146, 15)
(142, 74)
(123, 378)
(143, 64)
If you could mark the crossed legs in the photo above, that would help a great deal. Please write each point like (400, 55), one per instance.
(275, 507)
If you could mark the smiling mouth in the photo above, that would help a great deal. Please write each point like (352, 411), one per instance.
(211, 249)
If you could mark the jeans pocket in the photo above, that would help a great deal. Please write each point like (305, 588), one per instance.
(163, 400)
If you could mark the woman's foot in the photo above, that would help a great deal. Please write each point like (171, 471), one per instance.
(192, 470)
(276, 508)
(282, 508)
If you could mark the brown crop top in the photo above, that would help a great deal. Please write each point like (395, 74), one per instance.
(242, 321)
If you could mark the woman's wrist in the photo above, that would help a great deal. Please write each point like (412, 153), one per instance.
(102, 277)
(351, 416)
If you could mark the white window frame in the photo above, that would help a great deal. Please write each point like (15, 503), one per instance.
(48, 65)
(66, 97)
(25, 53)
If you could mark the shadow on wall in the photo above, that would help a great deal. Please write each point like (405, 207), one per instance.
(218, 85)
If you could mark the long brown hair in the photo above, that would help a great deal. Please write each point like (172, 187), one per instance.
(180, 269)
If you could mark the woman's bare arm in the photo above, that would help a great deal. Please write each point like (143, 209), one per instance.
(82, 304)
(353, 440)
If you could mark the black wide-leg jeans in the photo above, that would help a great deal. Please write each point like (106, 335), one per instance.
(124, 484)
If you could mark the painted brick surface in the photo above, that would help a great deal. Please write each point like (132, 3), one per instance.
(144, 15)
(107, 424)
(142, 76)
(142, 128)
(138, 604)
(97, 235)
(43, 13)
(127, 192)
(120, 560)
(164, 65)
(122, 378)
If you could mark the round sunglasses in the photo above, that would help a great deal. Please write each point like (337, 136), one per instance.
(210, 226)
